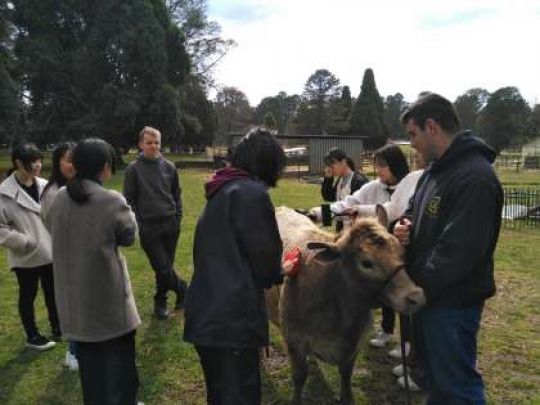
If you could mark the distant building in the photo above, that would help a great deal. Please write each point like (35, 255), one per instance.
(530, 154)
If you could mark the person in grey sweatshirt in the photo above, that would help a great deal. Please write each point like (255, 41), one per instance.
(152, 189)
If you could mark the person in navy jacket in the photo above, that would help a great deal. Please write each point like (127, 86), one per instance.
(451, 230)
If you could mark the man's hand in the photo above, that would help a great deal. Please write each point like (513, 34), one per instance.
(402, 231)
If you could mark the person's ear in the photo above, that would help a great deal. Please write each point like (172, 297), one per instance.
(432, 127)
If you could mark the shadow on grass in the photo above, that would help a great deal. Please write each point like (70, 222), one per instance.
(14, 370)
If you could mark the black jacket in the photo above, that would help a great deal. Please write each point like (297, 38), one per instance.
(329, 186)
(456, 216)
(237, 253)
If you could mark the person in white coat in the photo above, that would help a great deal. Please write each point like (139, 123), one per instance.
(28, 242)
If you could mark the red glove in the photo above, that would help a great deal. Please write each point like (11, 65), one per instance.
(291, 262)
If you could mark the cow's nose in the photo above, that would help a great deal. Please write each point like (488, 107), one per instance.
(415, 300)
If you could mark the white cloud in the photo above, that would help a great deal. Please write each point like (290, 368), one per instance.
(412, 46)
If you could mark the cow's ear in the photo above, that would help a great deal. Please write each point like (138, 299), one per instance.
(329, 252)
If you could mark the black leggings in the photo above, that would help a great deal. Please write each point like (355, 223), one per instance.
(232, 375)
(28, 279)
(388, 323)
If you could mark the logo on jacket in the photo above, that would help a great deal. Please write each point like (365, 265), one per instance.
(432, 209)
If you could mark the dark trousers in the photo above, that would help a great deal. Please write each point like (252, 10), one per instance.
(28, 279)
(159, 238)
(232, 375)
(445, 340)
(108, 372)
(388, 323)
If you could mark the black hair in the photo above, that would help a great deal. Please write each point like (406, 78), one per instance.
(439, 109)
(392, 156)
(56, 176)
(338, 155)
(260, 154)
(27, 153)
(89, 157)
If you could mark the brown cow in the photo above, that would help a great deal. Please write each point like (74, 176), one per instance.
(326, 308)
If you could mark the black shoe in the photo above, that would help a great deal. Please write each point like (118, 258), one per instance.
(40, 343)
(160, 310)
(180, 296)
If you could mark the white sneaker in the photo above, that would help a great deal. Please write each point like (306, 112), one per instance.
(413, 387)
(70, 362)
(380, 339)
(396, 351)
(398, 370)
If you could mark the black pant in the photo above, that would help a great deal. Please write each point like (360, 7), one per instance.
(108, 372)
(158, 240)
(232, 375)
(28, 279)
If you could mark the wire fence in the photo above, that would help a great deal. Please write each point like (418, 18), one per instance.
(521, 207)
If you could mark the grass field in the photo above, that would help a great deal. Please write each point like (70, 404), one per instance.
(169, 369)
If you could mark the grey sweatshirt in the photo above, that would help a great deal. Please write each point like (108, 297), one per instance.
(152, 188)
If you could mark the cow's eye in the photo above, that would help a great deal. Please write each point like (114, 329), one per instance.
(367, 264)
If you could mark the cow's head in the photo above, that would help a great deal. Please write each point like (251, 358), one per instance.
(372, 260)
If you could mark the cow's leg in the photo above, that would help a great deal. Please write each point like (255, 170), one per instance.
(299, 366)
(345, 370)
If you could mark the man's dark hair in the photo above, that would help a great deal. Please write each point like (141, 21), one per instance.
(392, 156)
(27, 153)
(437, 108)
(89, 157)
(260, 154)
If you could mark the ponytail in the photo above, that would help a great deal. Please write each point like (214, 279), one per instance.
(76, 191)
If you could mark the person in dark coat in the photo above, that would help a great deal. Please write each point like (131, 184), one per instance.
(237, 254)
(451, 230)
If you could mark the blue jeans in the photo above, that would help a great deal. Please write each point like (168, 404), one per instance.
(446, 341)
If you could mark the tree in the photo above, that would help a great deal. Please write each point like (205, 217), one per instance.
(367, 116)
(281, 106)
(270, 122)
(505, 120)
(393, 108)
(10, 100)
(469, 105)
(100, 69)
(198, 115)
(234, 114)
(338, 113)
(203, 40)
(321, 88)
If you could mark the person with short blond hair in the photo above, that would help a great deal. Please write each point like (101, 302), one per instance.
(152, 188)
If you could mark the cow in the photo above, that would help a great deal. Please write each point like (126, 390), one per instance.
(325, 309)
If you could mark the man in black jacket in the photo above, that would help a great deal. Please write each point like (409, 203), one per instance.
(236, 254)
(451, 230)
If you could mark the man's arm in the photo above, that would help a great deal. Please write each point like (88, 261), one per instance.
(177, 194)
(130, 188)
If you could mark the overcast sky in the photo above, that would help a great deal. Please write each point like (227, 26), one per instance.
(412, 46)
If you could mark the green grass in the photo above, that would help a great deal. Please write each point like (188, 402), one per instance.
(169, 369)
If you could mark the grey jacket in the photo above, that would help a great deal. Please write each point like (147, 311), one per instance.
(21, 229)
(92, 285)
(152, 188)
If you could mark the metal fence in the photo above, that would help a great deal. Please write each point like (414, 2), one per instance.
(521, 207)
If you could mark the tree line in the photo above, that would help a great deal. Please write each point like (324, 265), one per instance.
(70, 69)
(503, 118)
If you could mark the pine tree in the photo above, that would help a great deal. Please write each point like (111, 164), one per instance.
(367, 116)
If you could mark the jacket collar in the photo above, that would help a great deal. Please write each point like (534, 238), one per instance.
(10, 188)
